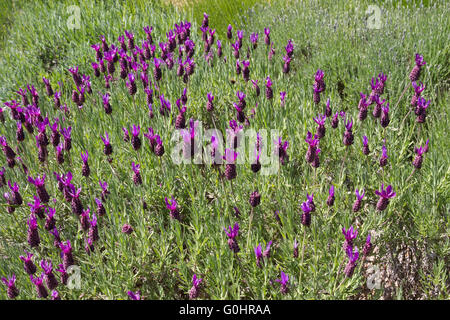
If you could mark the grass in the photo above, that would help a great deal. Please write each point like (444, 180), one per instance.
(162, 254)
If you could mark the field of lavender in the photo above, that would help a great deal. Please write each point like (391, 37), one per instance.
(319, 131)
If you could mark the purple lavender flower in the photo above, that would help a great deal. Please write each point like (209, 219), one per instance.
(378, 104)
(366, 150)
(313, 144)
(159, 147)
(135, 140)
(85, 171)
(100, 208)
(219, 48)
(194, 291)
(255, 198)
(320, 120)
(66, 132)
(10, 283)
(106, 103)
(20, 135)
(55, 295)
(75, 75)
(16, 196)
(50, 221)
(246, 70)
(349, 235)
(40, 288)
(295, 249)
(418, 88)
(417, 162)
(254, 40)
(56, 236)
(330, 200)
(28, 264)
(77, 207)
(229, 32)
(348, 134)
(49, 277)
(137, 175)
(306, 215)
(240, 35)
(39, 183)
(290, 49)
(367, 246)
(415, 72)
(258, 254)
(385, 195)
(284, 280)
(9, 153)
(66, 249)
(64, 276)
(267, 36)
(134, 295)
(84, 219)
(421, 109)
(357, 203)
(33, 233)
(209, 104)
(107, 150)
(287, 64)
(232, 233)
(93, 230)
(363, 107)
(230, 167)
(269, 91)
(173, 208)
(352, 261)
(127, 229)
(385, 115)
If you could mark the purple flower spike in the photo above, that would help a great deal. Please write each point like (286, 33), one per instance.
(232, 233)
(385, 195)
(359, 197)
(353, 258)
(284, 280)
(417, 162)
(258, 254)
(331, 198)
(384, 156)
(40, 288)
(66, 249)
(365, 142)
(49, 277)
(134, 296)
(173, 207)
(10, 283)
(33, 234)
(367, 246)
(267, 36)
(415, 72)
(194, 291)
(306, 216)
(108, 147)
(28, 264)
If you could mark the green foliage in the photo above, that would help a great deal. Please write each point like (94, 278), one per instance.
(162, 254)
